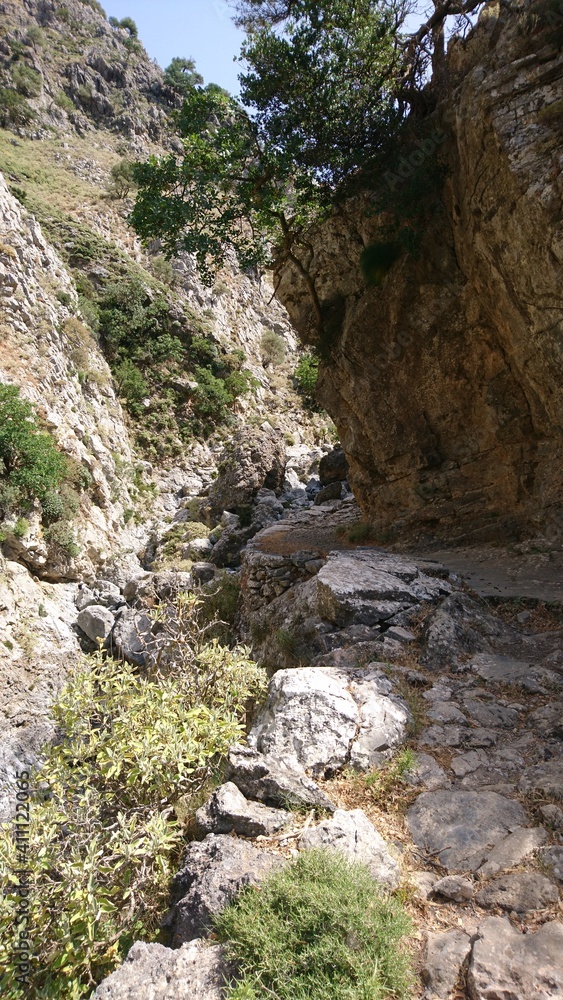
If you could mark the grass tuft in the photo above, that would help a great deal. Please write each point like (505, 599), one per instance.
(319, 929)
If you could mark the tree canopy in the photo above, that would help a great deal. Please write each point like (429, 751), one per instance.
(322, 98)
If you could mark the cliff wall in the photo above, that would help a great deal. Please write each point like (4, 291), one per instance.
(444, 378)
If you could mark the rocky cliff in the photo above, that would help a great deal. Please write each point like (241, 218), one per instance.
(443, 374)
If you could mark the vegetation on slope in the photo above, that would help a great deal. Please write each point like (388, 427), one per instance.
(134, 750)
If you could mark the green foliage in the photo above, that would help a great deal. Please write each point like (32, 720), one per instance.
(104, 842)
(385, 782)
(29, 460)
(63, 101)
(320, 929)
(121, 179)
(162, 270)
(26, 80)
(61, 535)
(127, 23)
(272, 348)
(14, 109)
(181, 76)
(35, 36)
(323, 110)
(306, 375)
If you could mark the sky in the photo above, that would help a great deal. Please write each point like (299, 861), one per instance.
(198, 29)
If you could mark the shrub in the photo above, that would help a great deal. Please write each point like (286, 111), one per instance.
(63, 101)
(272, 348)
(162, 270)
(61, 535)
(90, 312)
(320, 929)
(130, 26)
(29, 460)
(121, 179)
(14, 109)
(306, 375)
(26, 80)
(103, 840)
(131, 385)
(35, 36)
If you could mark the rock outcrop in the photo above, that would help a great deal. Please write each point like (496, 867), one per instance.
(444, 377)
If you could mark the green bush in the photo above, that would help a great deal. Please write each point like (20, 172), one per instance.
(14, 109)
(26, 80)
(162, 270)
(306, 374)
(320, 929)
(63, 101)
(121, 179)
(272, 348)
(29, 461)
(61, 535)
(130, 26)
(104, 842)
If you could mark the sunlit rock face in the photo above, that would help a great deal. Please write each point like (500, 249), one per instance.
(444, 378)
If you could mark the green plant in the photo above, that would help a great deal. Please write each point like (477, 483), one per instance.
(61, 535)
(14, 109)
(121, 179)
(362, 531)
(130, 26)
(162, 270)
(182, 76)
(29, 460)
(64, 298)
(63, 101)
(104, 842)
(272, 348)
(306, 374)
(320, 929)
(26, 80)
(385, 783)
(22, 527)
(35, 36)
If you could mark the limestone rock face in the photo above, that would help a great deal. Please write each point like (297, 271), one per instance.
(444, 380)
(506, 963)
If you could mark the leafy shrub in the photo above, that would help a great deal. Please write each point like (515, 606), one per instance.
(130, 26)
(182, 76)
(320, 929)
(35, 36)
(306, 374)
(121, 179)
(103, 841)
(90, 312)
(26, 80)
(162, 270)
(29, 460)
(63, 101)
(272, 348)
(14, 109)
(131, 386)
(61, 535)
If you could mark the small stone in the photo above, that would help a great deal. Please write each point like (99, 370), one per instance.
(546, 778)
(445, 712)
(352, 834)
(228, 811)
(513, 849)
(85, 598)
(424, 884)
(445, 955)
(456, 888)
(521, 892)
(442, 736)
(553, 815)
(427, 772)
(96, 622)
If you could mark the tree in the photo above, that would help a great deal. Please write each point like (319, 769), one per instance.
(329, 86)
(181, 76)
(121, 179)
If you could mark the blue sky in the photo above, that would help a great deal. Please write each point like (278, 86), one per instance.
(201, 29)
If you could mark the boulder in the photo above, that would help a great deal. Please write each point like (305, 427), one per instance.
(333, 467)
(198, 548)
(454, 887)
(458, 627)
(324, 718)
(445, 955)
(351, 833)
(334, 491)
(228, 811)
(96, 622)
(459, 828)
(513, 849)
(203, 572)
(131, 636)
(213, 871)
(507, 964)
(253, 459)
(272, 780)
(196, 971)
(367, 587)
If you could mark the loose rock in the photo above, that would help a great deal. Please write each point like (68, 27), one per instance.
(228, 811)
(445, 955)
(196, 971)
(274, 781)
(519, 891)
(506, 964)
(96, 622)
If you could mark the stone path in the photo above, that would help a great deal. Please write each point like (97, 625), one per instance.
(396, 653)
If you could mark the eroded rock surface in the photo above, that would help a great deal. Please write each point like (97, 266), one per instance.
(195, 971)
